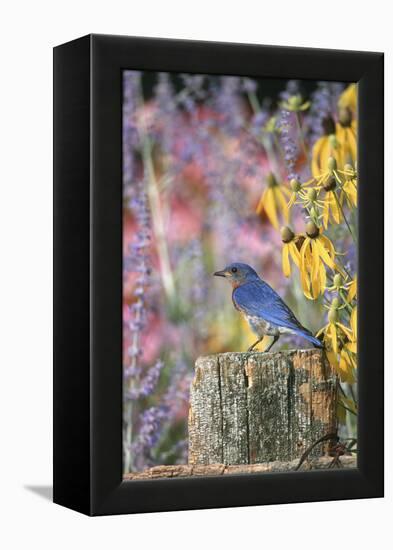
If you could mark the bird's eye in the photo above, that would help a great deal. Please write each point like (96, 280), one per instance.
(234, 269)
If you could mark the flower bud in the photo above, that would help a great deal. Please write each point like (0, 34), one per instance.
(295, 185)
(333, 315)
(312, 230)
(333, 141)
(336, 303)
(337, 280)
(287, 234)
(331, 164)
(312, 194)
(345, 117)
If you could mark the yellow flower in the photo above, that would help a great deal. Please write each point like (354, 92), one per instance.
(273, 200)
(339, 139)
(316, 252)
(326, 146)
(328, 180)
(349, 186)
(331, 207)
(346, 132)
(289, 250)
(346, 128)
(338, 340)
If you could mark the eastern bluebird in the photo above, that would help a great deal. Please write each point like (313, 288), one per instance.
(263, 308)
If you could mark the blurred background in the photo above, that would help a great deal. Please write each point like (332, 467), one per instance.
(198, 154)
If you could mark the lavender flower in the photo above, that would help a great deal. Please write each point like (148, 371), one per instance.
(147, 384)
(194, 86)
(323, 106)
(151, 423)
(138, 261)
(227, 102)
(249, 86)
(258, 121)
(291, 89)
(131, 83)
(178, 392)
(288, 143)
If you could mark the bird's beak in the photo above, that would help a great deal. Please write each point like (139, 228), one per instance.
(220, 273)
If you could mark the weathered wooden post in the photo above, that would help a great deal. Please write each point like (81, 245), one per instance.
(248, 408)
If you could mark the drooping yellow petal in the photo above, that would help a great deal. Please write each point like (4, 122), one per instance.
(336, 213)
(332, 357)
(352, 290)
(351, 346)
(328, 245)
(270, 207)
(323, 253)
(322, 277)
(280, 200)
(321, 330)
(345, 368)
(315, 281)
(348, 99)
(294, 253)
(352, 145)
(286, 266)
(354, 322)
(325, 214)
(304, 279)
(262, 201)
(345, 330)
(320, 144)
(333, 336)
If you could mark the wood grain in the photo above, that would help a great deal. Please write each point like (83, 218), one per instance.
(249, 408)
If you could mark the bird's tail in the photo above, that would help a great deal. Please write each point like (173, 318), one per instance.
(308, 336)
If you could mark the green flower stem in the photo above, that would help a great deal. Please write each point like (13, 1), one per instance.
(254, 102)
(347, 408)
(348, 305)
(353, 395)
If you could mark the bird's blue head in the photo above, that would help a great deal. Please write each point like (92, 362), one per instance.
(238, 274)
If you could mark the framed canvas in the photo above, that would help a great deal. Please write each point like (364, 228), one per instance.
(180, 167)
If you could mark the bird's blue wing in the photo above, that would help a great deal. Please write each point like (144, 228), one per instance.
(259, 299)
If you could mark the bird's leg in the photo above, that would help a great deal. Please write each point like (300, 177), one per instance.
(275, 338)
(255, 344)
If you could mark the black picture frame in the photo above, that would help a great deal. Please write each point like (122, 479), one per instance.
(88, 274)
